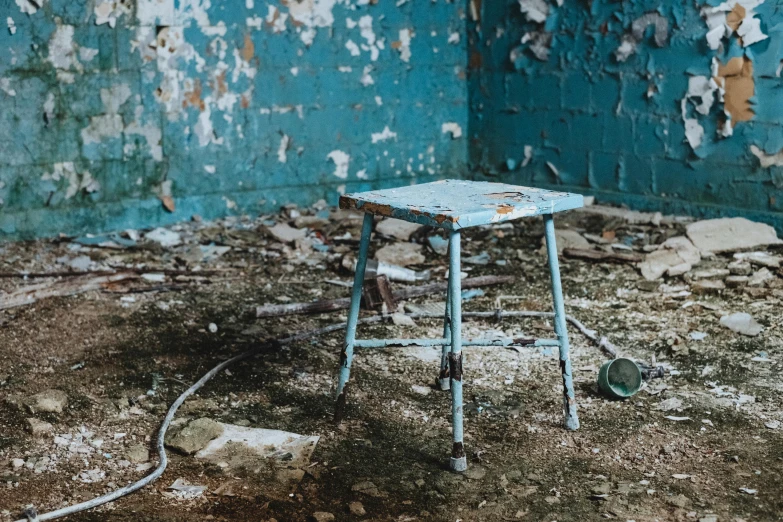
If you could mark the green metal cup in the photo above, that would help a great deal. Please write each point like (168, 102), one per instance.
(619, 378)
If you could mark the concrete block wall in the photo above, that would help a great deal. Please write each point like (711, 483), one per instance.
(595, 97)
(132, 113)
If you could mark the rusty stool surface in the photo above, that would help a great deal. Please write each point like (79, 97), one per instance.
(454, 205)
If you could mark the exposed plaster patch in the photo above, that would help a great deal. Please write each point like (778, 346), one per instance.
(108, 11)
(362, 174)
(528, 155)
(5, 86)
(11, 25)
(285, 142)
(30, 6)
(768, 160)
(384, 135)
(454, 38)
(155, 12)
(86, 54)
(109, 124)
(733, 16)
(365, 26)
(404, 44)
(76, 181)
(366, 78)
(353, 48)
(341, 161)
(311, 14)
(535, 10)
(62, 50)
(254, 22)
(276, 20)
(540, 43)
(453, 128)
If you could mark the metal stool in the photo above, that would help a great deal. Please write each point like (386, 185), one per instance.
(455, 205)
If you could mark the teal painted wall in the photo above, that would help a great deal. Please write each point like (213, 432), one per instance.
(554, 85)
(108, 108)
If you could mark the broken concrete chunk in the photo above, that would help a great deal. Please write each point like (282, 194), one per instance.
(566, 238)
(675, 254)
(742, 323)
(48, 401)
(760, 277)
(285, 233)
(397, 228)
(249, 448)
(402, 254)
(707, 286)
(740, 268)
(38, 428)
(710, 273)
(196, 435)
(730, 235)
(736, 281)
(759, 259)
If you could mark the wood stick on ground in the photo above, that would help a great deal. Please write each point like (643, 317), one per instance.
(332, 305)
(61, 288)
(600, 255)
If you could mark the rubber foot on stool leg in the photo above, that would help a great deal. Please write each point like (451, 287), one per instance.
(444, 384)
(459, 465)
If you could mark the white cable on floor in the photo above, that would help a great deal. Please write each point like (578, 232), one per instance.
(32, 516)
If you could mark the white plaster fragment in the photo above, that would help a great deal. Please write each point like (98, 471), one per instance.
(453, 128)
(362, 174)
(76, 181)
(694, 132)
(276, 19)
(703, 88)
(454, 38)
(48, 107)
(345, 68)
(384, 135)
(285, 142)
(250, 4)
(535, 10)
(750, 31)
(365, 26)
(378, 101)
(626, 48)
(341, 161)
(210, 169)
(254, 22)
(11, 25)
(155, 12)
(30, 7)
(767, 160)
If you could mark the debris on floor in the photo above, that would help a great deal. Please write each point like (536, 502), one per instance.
(102, 333)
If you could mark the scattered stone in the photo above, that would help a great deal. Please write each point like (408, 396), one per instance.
(603, 488)
(182, 489)
(672, 403)
(402, 320)
(137, 454)
(213, 328)
(677, 270)
(421, 390)
(760, 277)
(356, 508)
(48, 401)
(710, 273)
(38, 428)
(742, 323)
(368, 488)
(401, 254)
(286, 233)
(676, 252)
(740, 268)
(773, 424)
(730, 235)
(322, 516)
(707, 286)
(736, 281)
(680, 501)
(17, 463)
(397, 228)
(196, 435)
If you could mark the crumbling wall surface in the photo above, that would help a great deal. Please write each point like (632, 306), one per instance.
(672, 105)
(126, 113)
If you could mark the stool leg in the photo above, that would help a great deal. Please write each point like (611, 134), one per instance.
(569, 401)
(346, 356)
(443, 376)
(458, 461)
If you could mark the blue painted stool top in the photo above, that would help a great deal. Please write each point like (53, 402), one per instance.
(455, 204)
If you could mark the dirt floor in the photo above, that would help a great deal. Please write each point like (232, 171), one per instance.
(703, 443)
